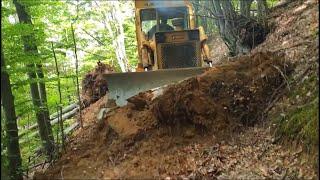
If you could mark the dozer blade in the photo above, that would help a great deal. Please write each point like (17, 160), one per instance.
(125, 85)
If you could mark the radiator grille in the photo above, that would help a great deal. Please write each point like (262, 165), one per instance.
(179, 55)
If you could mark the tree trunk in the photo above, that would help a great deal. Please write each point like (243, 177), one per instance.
(240, 33)
(113, 23)
(77, 75)
(119, 38)
(196, 10)
(226, 23)
(204, 24)
(14, 156)
(245, 7)
(43, 93)
(42, 113)
(262, 10)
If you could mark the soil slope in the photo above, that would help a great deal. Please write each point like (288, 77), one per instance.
(211, 126)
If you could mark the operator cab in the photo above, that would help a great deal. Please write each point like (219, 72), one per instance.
(164, 20)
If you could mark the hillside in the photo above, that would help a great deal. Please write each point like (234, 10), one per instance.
(230, 122)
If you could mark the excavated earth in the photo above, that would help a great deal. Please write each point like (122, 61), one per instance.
(211, 126)
(93, 85)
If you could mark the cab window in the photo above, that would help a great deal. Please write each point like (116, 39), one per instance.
(165, 16)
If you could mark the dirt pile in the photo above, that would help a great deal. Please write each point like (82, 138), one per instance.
(219, 100)
(201, 109)
(93, 84)
(236, 92)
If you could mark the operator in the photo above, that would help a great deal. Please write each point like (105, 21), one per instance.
(178, 24)
(163, 26)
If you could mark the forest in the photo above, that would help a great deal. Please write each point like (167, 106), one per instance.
(246, 107)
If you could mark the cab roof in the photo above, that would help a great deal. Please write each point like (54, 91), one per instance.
(146, 4)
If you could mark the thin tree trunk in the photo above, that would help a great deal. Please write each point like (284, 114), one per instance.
(60, 98)
(119, 38)
(43, 93)
(239, 33)
(77, 76)
(262, 11)
(4, 167)
(226, 14)
(42, 113)
(245, 7)
(204, 24)
(117, 33)
(196, 10)
(14, 156)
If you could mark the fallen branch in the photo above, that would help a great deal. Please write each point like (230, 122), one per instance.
(274, 100)
(284, 77)
(37, 165)
(54, 121)
(66, 131)
(65, 110)
(71, 128)
(55, 115)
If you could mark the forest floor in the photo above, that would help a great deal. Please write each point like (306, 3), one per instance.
(212, 126)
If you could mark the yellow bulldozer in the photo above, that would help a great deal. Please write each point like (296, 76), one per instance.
(170, 47)
(167, 36)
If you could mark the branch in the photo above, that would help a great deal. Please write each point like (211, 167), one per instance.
(52, 122)
(100, 42)
(93, 53)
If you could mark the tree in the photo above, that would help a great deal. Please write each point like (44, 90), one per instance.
(226, 15)
(11, 128)
(113, 22)
(239, 29)
(245, 7)
(240, 32)
(43, 92)
(37, 91)
(262, 10)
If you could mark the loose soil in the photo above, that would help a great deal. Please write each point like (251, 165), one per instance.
(93, 85)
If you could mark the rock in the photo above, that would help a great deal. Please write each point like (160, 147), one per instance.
(102, 114)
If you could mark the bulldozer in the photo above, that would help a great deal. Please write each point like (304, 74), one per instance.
(170, 48)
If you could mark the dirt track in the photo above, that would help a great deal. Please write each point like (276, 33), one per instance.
(197, 128)
(205, 127)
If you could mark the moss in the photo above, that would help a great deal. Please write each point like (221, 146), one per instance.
(302, 120)
(301, 123)
(315, 33)
(309, 132)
